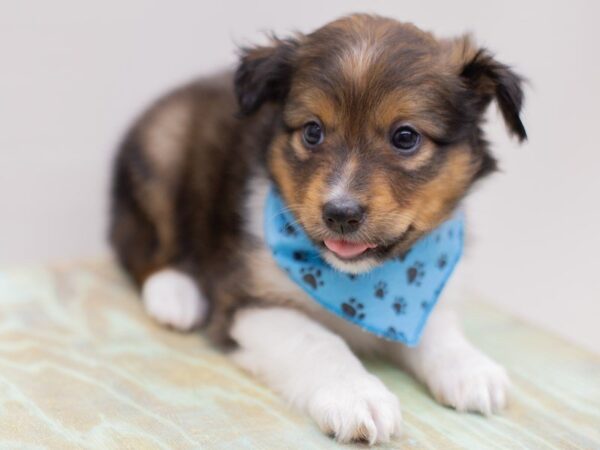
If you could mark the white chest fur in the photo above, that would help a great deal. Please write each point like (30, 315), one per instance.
(271, 283)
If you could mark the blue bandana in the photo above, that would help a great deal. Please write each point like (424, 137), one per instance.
(392, 301)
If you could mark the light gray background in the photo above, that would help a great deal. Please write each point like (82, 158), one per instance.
(73, 74)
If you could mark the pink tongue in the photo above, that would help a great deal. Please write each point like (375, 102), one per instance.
(346, 249)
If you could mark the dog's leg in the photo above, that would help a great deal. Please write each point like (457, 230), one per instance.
(456, 373)
(315, 371)
(173, 298)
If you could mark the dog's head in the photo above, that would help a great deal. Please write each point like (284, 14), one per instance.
(379, 137)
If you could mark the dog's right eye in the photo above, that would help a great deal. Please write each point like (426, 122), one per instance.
(406, 140)
(312, 134)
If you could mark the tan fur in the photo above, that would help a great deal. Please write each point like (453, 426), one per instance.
(388, 213)
(429, 206)
(308, 206)
(304, 100)
(280, 171)
(411, 107)
(456, 52)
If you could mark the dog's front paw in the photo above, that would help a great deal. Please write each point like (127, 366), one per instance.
(172, 298)
(469, 382)
(357, 408)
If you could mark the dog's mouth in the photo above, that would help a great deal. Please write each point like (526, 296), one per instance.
(348, 250)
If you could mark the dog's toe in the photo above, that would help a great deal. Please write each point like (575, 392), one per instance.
(360, 409)
(470, 383)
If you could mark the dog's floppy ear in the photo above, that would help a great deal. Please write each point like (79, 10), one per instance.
(264, 74)
(490, 79)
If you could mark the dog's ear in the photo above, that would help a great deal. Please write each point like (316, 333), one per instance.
(490, 79)
(264, 74)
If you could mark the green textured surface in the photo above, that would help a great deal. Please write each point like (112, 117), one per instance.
(81, 366)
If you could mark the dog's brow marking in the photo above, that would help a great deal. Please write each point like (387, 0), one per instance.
(357, 58)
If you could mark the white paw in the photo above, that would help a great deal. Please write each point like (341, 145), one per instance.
(357, 408)
(172, 298)
(469, 382)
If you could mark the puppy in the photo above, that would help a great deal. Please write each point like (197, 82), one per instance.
(368, 130)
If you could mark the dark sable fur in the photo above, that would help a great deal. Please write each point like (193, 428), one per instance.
(183, 205)
(264, 74)
(220, 152)
(490, 79)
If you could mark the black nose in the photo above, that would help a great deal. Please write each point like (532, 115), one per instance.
(343, 215)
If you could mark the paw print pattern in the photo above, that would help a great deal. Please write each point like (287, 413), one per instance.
(289, 229)
(424, 304)
(399, 305)
(300, 256)
(353, 309)
(392, 333)
(403, 256)
(442, 261)
(415, 273)
(380, 289)
(312, 277)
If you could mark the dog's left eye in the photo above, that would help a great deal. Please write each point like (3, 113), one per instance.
(312, 134)
(406, 140)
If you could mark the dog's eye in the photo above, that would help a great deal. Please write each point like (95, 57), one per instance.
(312, 134)
(406, 140)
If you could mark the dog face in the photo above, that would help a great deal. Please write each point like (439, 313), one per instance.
(379, 134)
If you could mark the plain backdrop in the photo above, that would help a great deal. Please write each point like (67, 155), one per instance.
(73, 75)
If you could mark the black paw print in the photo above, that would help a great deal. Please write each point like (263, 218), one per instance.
(399, 305)
(381, 289)
(391, 333)
(442, 261)
(352, 276)
(424, 304)
(289, 229)
(312, 277)
(415, 273)
(300, 256)
(353, 309)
